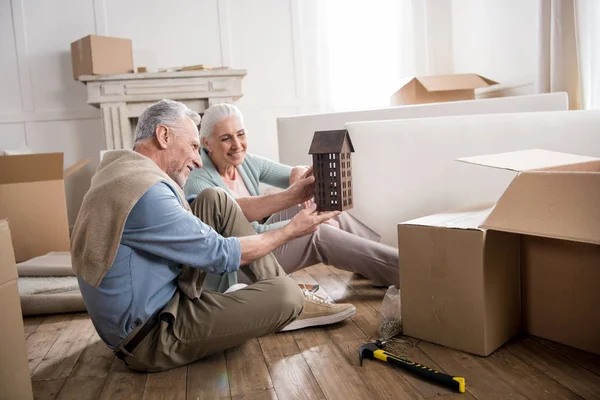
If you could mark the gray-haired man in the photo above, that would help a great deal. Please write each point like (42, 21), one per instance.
(141, 254)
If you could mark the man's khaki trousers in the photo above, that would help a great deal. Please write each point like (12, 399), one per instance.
(189, 330)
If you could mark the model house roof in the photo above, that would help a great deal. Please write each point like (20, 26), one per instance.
(330, 142)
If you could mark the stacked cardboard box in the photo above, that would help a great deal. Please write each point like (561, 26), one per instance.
(32, 198)
(471, 280)
(101, 55)
(14, 368)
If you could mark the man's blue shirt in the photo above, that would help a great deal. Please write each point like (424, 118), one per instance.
(159, 236)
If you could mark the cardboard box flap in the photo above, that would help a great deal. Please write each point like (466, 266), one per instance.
(563, 205)
(527, 160)
(440, 83)
(459, 219)
(31, 168)
(7, 256)
(588, 166)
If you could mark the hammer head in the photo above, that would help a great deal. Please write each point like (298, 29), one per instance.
(366, 350)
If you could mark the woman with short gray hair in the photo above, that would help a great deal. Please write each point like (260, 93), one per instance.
(345, 242)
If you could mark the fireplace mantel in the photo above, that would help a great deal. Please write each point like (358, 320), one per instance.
(123, 98)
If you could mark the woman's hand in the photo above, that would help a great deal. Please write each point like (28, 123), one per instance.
(302, 173)
(303, 190)
(299, 172)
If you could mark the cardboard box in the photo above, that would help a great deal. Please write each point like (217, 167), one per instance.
(32, 198)
(459, 283)
(100, 55)
(552, 207)
(15, 382)
(554, 204)
(439, 88)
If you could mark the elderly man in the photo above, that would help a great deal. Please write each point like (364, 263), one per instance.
(141, 254)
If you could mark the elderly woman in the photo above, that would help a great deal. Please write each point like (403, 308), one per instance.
(345, 243)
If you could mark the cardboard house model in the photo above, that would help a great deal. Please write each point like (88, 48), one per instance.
(333, 169)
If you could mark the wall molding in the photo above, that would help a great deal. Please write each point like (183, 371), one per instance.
(225, 33)
(18, 14)
(48, 116)
(296, 24)
(100, 20)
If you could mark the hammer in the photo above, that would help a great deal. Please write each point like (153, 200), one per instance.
(375, 350)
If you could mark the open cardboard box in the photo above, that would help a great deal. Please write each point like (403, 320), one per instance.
(471, 280)
(15, 382)
(439, 88)
(32, 198)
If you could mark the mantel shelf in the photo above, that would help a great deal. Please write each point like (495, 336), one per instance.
(123, 97)
(163, 75)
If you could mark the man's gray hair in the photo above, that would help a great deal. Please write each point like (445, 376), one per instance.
(166, 112)
(215, 114)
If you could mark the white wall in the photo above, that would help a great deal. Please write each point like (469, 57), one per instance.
(279, 43)
(496, 39)
(41, 106)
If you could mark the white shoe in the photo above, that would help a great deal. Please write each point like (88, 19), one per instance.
(235, 287)
(320, 311)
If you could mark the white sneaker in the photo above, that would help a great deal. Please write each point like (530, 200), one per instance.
(320, 311)
(235, 287)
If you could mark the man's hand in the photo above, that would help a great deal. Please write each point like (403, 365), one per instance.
(303, 223)
(308, 220)
(303, 190)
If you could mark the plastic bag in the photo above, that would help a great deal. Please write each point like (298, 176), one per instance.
(390, 324)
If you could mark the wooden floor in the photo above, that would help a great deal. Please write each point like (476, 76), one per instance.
(68, 361)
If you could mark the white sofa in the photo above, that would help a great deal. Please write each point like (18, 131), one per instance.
(295, 133)
(403, 169)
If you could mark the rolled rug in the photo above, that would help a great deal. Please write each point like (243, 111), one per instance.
(47, 285)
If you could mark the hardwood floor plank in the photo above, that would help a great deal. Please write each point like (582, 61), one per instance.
(361, 285)
(290, 374)
(88, 377)
(502, 371)
(167, 385)
(62, 357)
(82, 388)
(569, 374)
(123, 383)
(31, 324)
(96, 367)
(310, 337)
(247, 369)
(526, 379)
(279, 344)
(267, 394)
(481, 382)
(336, 376)
(43, 338)
(96, 348)
(208, 378)
(47, 390)
(589, 361)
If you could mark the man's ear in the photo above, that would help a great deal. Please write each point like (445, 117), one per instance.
(163, 136)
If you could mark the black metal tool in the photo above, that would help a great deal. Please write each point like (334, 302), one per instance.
(375, 350)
